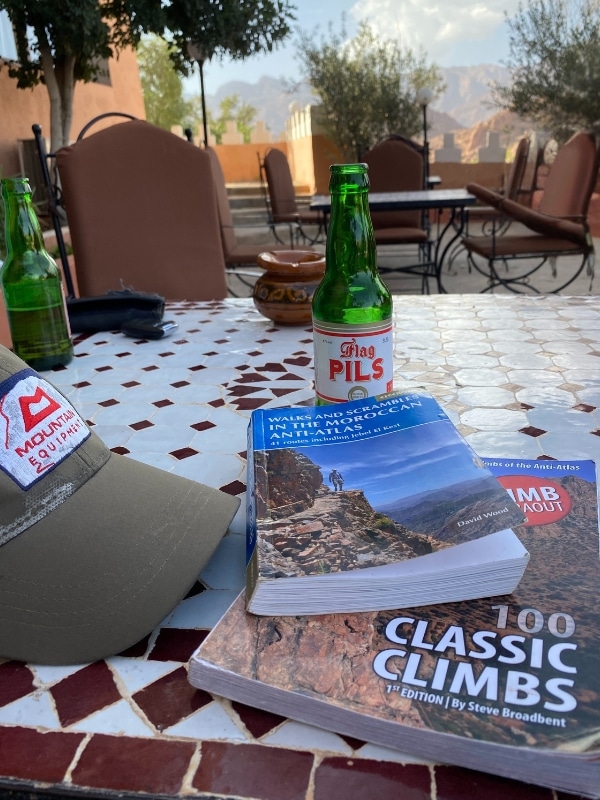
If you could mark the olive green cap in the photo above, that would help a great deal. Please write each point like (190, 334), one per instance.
(95, 548)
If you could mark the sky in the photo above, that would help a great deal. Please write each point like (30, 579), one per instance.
(451, 34)
(436, 459)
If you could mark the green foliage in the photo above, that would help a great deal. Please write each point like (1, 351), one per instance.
(236, 28)
(367, 87)
(161, 85)
(84, 31)
(67, 30)
(2, 230)
(60, 42)
(231, 108)
(555, 66)
(383, 523)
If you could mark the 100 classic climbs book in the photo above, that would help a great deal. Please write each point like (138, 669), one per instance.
(508, 685)
(372, 504)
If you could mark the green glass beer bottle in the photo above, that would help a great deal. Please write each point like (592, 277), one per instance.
(352, 306)
(32, 286)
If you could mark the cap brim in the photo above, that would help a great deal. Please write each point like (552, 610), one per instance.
(101, 570)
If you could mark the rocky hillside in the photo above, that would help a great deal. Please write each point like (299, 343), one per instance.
(469, 140)
(305, 528)
(468, 97)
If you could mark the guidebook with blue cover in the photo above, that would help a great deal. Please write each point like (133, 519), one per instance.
(508, 685)
(372, 504)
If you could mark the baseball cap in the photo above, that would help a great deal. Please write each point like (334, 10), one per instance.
(95, 548)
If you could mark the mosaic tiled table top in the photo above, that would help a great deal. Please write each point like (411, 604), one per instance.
(519, 375)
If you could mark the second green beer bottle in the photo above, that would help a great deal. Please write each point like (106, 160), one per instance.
(32, 287)
(352, 306)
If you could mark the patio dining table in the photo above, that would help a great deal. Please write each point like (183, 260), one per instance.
(520, 376)
(455, 201)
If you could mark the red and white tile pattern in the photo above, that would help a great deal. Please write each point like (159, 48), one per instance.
(519, 376)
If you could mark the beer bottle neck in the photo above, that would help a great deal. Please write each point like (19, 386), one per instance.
(350, 241)
(350, 205)
(23, 231)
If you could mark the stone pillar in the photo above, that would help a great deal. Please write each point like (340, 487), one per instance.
(232, 135)
(492, 152)
(449, 153)
(260, 134)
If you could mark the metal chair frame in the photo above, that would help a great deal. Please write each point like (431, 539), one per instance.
(520, 283)
(559, 227)
(402, 233)
(240, 259)
(297, 233)
(55, 204)
(493, 222)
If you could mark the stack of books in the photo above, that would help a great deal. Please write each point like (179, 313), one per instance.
(489, 661)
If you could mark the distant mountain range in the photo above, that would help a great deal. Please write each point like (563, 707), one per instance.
(466, 101)
(467, 97)
(436, 512)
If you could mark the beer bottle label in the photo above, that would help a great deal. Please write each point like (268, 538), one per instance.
(352, 361)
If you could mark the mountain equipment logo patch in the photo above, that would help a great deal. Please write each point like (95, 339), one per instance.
(38, 428)
(43, 402)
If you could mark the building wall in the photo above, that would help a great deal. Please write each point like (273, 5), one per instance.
(21, 108)
(240, 161)
(311, 157)
(456, 176)
(311, 154)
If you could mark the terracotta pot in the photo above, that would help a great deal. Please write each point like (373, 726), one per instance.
(284, 293)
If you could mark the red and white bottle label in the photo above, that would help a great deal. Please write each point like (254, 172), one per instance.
(352, 361)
